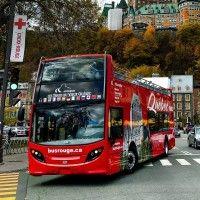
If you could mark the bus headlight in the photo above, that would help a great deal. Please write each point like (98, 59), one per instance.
(37, 155)
(94, 154)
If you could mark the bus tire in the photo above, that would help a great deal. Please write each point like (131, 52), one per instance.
(132, 161)
(166, 148)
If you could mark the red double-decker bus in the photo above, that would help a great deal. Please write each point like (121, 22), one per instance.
(87, 120)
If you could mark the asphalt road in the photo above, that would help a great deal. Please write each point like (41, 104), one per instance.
(176, 177)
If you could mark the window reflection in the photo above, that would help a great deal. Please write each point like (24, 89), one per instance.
(73, 125)
(73, 69)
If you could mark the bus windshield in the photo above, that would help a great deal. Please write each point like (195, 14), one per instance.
(69, 99)
(69, 125)
(71, 79)
(73, 69)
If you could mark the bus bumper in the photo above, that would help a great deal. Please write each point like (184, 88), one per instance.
(98, 167)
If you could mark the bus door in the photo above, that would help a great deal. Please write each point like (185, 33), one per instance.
(116, 133)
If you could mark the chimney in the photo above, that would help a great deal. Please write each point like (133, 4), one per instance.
(113, 4)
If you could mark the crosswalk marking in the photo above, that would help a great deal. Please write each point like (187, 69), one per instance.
(197, 160)
(6, 189)
(8, 186)
(186, 152)
(9, 174)
(8, 178)
(165, 162)
(183, 162)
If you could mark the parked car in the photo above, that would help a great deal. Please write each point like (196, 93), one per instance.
(178, 132)
(193, 138)
(18, 131)
(6, 130)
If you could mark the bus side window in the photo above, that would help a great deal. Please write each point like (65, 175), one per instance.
(116, 122)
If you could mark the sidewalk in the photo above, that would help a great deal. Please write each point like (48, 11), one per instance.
(14, 162)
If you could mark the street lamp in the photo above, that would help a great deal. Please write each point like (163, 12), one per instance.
(9, 19)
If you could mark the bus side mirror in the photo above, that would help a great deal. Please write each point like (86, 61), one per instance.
(21, 114)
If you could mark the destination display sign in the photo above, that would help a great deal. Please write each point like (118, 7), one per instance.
(77, 91)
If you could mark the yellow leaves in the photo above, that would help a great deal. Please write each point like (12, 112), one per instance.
(132, 46)
(144, 71)
(149, 34)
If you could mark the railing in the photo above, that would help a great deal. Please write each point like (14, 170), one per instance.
(15, 145)
(151, 85)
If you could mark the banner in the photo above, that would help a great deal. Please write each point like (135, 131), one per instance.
(18, 40)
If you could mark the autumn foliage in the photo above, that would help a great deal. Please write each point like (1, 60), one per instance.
(80, 30)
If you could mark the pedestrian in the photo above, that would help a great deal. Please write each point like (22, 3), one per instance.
(9, 135)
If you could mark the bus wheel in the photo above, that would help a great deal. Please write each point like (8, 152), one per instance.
(166, 148)
(132, 161)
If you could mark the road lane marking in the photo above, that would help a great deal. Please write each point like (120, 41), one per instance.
(165, 162)
(197, 160)
(8, 181)
(186, 152)
(8, 186)
(6, 189)
(8, 178)
(183, 162)
(181, 154)
(9, 174)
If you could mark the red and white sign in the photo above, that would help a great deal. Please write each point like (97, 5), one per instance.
(18, 40)
(158, 104)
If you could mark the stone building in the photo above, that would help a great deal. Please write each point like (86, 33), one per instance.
(189, 10)
(196, 95)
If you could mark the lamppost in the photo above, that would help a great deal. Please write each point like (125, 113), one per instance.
(9, 21)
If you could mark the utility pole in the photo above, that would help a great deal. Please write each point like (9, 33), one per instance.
(6, 67)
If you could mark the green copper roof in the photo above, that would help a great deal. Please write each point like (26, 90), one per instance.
(106, 8)
(122, 4)
(151, 9)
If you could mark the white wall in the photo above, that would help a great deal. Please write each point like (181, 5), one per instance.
(115, 19)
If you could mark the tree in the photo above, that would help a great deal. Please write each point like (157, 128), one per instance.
(189, 34)
(60, 27)
(144, 71)
(166, 44)
(135, 53)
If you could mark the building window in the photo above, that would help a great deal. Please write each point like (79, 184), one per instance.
(187, 97)
(179, 106)
(179, 97)
(179, 114)
(187, 105)
(188, 114)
